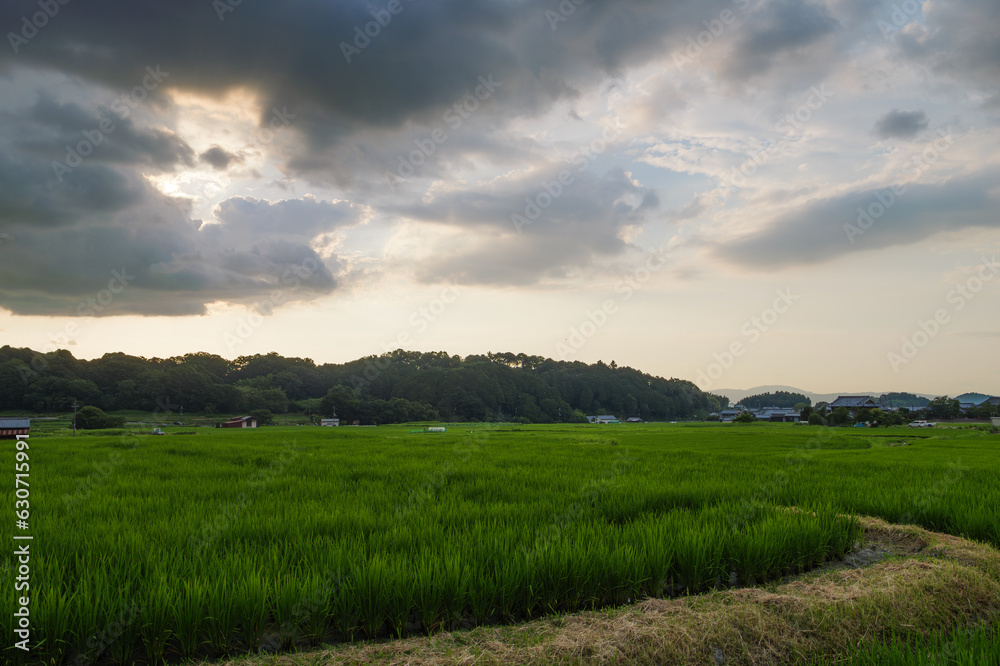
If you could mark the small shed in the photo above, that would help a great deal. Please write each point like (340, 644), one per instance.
(11, 428)
(242, 422)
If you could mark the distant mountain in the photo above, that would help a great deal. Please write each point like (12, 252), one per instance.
(735, 395)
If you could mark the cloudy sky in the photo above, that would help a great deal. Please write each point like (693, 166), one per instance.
(736, 192)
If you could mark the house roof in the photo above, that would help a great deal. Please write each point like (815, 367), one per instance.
(241, 418)
(854, 401)
(777, 411)
(607, 416)
(15, 423)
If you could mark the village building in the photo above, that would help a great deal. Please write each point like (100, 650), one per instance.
(11, 428)
(855, 402)
(242, 422)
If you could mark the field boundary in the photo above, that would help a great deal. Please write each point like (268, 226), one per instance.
(916, 583)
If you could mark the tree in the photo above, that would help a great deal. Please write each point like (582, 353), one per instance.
(840, 416)
(983, 411)
(816, 420)
(781, 399)
(902, 400)
(745, 417)
(340, 401)
(891, 418)
(945, 408)
(263, 415)
(94, 418)
(478, 387)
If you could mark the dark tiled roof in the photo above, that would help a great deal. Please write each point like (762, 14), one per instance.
(853, 401)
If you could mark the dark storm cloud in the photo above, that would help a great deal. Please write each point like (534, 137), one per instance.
(56, 129)
(419, 63)
(64, 241)
(218, 158)
(901, 124)
(30, 193)
(869, 220)
(170, 270)
(104, 215)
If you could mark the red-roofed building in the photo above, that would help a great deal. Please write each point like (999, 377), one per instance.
(242, 422)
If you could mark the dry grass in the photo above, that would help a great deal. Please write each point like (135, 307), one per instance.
(935, 582)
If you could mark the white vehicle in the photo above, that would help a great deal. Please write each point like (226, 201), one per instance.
(921, 424)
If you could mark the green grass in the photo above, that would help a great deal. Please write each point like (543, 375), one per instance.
(229, 541)
(975, 646)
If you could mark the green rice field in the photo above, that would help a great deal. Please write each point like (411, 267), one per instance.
(207, 543)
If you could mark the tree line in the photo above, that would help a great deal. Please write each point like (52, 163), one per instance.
(779, 399)
(395, 387)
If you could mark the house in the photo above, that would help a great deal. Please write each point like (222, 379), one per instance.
(855, 402)
(330, 423)
(727, 415)
(607, 418)
(11, 428)
(777, 415)
(989, 401)
(242, 422)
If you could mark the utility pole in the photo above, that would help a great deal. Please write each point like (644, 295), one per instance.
(74, 417)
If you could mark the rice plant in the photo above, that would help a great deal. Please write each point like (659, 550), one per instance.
(213, 544)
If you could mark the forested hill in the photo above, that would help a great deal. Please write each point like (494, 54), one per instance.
(396, 386)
